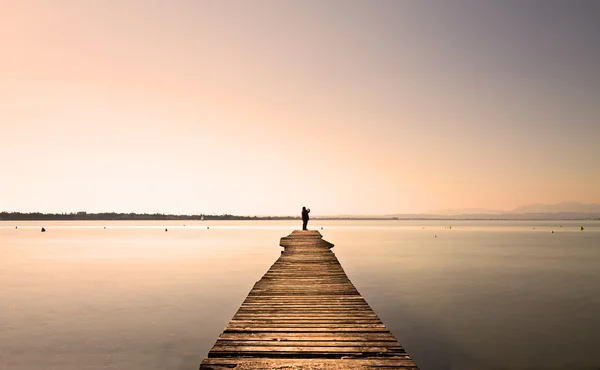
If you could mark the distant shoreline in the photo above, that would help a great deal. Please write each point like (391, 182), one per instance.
(84, 216)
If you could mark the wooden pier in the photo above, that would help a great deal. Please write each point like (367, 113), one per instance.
(306, 314)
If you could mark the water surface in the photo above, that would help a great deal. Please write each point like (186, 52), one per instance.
(481, 295)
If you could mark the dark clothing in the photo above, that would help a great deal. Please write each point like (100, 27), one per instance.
(304, 218)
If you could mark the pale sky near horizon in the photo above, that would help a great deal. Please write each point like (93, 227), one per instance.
(262, 107)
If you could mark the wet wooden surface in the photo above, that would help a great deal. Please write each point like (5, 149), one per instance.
(306, 314)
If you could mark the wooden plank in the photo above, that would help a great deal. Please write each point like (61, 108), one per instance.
(307, 326)
(306, 313)
(284, 299)
(298, 343)
(306, 316)
(309, 336)
(325, 312)
(304, 320)
(219, 347)
(248, 363)
(304, 329)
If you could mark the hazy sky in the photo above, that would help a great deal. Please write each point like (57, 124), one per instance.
(261, 107)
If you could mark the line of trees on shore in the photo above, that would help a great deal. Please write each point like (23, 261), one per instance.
(79, 216)
(82, 216)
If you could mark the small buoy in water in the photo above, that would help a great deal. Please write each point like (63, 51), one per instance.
(43, 230)
(581, 228)
(207, 227)
(105, 227)
(321, 227)
(560, 225)
(16, 227)
(552, 231)
(166, 230)
(436, 236)
(534, 228)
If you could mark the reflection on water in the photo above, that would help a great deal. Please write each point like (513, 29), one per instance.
(482, 295)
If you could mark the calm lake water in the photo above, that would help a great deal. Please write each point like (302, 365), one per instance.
(481, 295)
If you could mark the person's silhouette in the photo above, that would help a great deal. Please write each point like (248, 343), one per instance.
(305, 212)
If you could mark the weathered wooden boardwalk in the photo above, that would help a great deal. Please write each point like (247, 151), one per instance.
(306, 314)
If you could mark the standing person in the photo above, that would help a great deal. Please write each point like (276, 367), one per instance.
(305, 212)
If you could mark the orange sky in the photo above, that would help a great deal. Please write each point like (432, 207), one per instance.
(263, 107)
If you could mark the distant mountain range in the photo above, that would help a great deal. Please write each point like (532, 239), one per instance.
(566, 207)
(560, 211)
